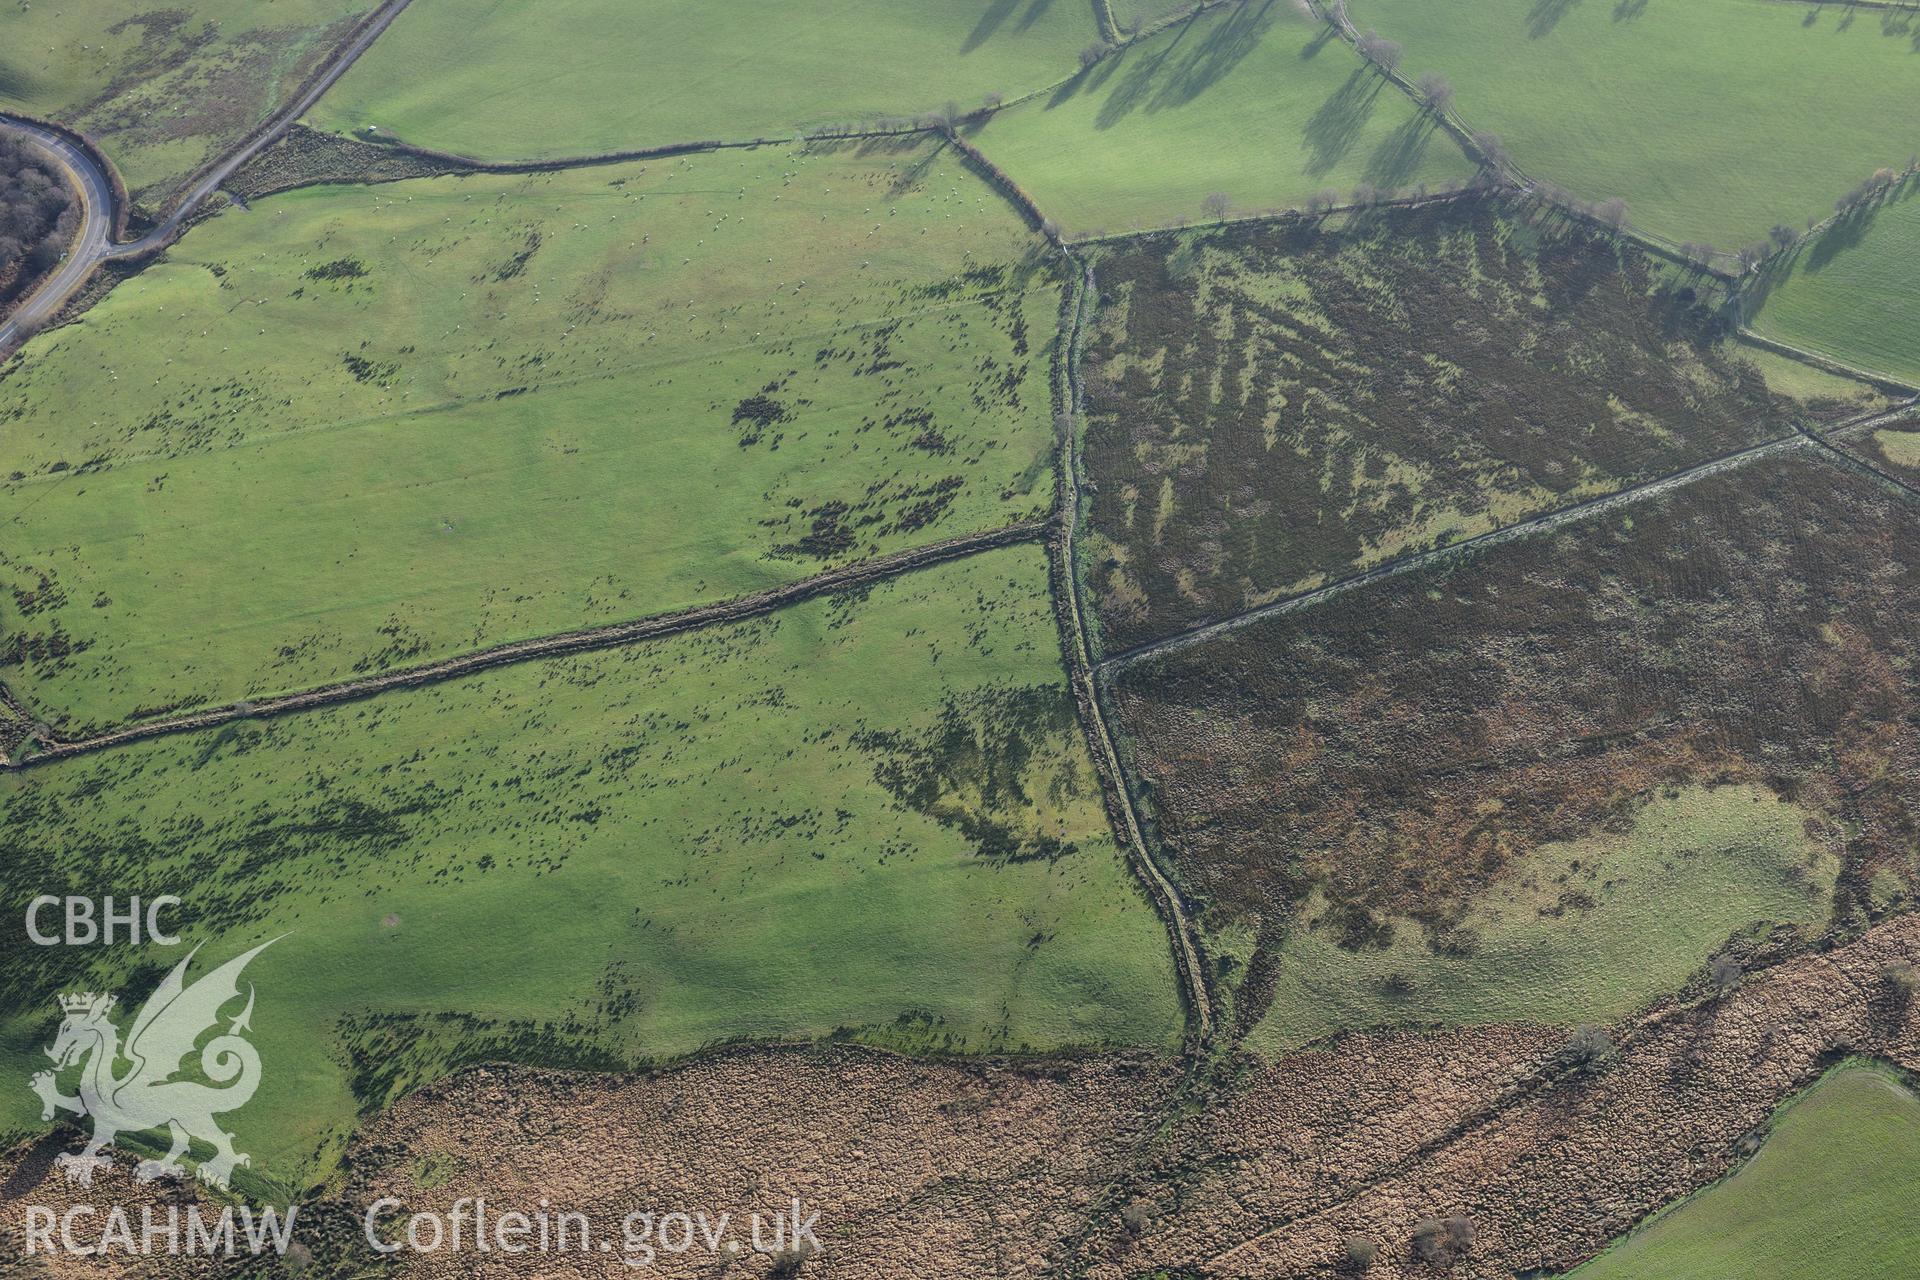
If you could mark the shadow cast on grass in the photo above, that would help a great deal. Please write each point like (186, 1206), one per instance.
(1545, 16)
(996, 17)
(1089, 79)
(1181, 71)
(1398, 156)
(1337, 125)
(1847, 232)
(997, 13)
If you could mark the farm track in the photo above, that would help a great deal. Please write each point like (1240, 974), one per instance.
(1855, 463)
(1087, 675)
(324, 78)
(1514, 178)
(1533, 1084)
(92, 244)
(1123, 805)
(851, 577)
(1544, 523)
(97, 187)
(1879, 381)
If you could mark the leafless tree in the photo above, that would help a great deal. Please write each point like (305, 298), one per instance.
(1613, 212)
(1380, 51)
(1435, 91)
(1488, 144)
(1093, 53)
(993, 100)
(1215, 206)
(1700, 255)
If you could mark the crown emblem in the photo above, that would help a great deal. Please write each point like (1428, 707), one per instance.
(86, 1002)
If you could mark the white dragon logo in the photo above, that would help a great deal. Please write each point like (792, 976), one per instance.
(146, 1096)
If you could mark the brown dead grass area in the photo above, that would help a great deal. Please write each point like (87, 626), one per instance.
(917, 1169)
(184, 83)
(1096, 1165)
(1546, 1180)
(1396, 747)
(28, 1177)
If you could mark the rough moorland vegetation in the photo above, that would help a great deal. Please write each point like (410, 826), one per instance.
(163, 85)
(1391, 753)
(1274, 406)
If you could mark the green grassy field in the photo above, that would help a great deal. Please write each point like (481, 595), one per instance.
(872, 816)
(1684, 110)
(1787, 376)
(1579, 932)
(1829, 1194)
(361, 426)
(1853, 294)
(1254, 101)
(1900, 448)
(1127, 12)
(163, 86)
(501, 80)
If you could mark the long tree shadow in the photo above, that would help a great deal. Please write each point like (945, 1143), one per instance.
(1844, 234)
(1545, 16)
(1847, 232)
(1223, 50)
(15, 83)
(1035, 11)
(1337, 125)
(1398, 156)
(1895, 23)
(910, 177)
(1091, 79)
(1813, 256)
(996, 13)
(1184, 69)
(1137, 84)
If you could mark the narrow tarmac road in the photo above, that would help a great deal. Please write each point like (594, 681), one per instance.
(92, 246)
(95, 244)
